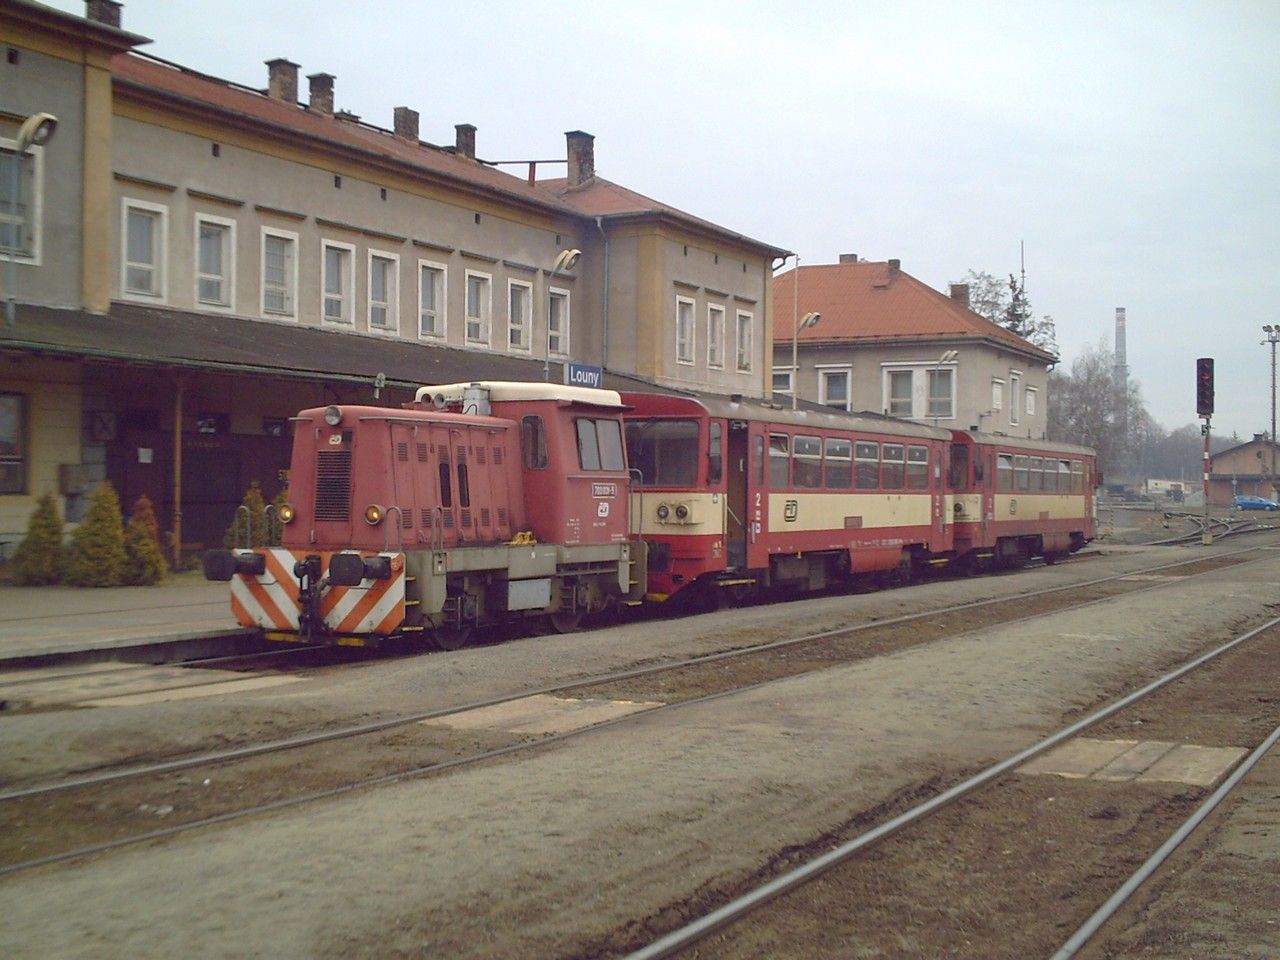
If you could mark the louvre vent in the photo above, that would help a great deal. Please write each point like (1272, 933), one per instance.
(484, 516)
(466, 517)
(461, 455)
(402, 452)
(333, 485)
(502, 516)
(448, 520)
(444, 454)
(422, 453)
(497, 456)
(407, 521)
(480, 455)
(426, 518)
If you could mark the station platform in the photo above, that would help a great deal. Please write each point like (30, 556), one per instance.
(58, 623)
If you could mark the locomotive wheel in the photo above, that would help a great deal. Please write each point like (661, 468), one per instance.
(452, 638)
(565, 622)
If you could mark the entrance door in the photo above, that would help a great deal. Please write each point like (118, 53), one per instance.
(736, 506)
(757, 515)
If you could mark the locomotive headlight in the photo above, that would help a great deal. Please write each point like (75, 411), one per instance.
(663, 511)
(373, 514)
(333, 415)
(682, 512)
(286, 513)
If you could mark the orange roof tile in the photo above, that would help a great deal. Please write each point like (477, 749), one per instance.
(872, 301)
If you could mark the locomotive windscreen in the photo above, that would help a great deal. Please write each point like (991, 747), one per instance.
(664, 451)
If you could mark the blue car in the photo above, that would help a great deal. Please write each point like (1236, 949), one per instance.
(1255, 503)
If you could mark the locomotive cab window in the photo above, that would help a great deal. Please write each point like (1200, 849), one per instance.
(779, 455)
(806, 470)
(599, 445)
(917, 468)
(664, 451)
(533, 443)
(839, 464)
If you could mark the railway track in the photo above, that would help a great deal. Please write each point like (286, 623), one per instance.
(770, 919)
(97, 812)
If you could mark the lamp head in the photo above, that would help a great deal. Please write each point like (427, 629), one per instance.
(36, 130)
(810, 319)
(567, 260)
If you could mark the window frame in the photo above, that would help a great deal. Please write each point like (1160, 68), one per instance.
(349, 296)
(889, 374)
(846, 371)
(715, 361)
(160, 237)
(790, 374)
(440, 293)
(526, 322)
(229, 263)
(997, 394)
(560, 295)
(1029, 395)
(485, 316)
(779, 455)
(692, 339)
(866, 452)
(833, 457)
(291, 274)
(35, 217)
(392, 303)
(931, 375)
(806, 467)
(745, 354)
(1015, 409)
(20, 458)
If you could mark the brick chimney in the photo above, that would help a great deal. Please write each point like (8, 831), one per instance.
(321, 93)
(464, 140)
(406, 123)
(960, 294)
(848, 258)
(282, 80)
(894, 267)
(106, 12)
(582, 157)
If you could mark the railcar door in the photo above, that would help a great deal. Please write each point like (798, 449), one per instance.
(757, 515)
(738, 514)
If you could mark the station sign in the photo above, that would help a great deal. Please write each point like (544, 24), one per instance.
(583, 375)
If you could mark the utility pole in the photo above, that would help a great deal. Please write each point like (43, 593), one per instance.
(1273, 335)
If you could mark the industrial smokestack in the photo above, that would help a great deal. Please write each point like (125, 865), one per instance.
(1122, 364)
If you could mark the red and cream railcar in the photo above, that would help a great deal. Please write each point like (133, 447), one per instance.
(1015, 499)
(739, 494)
(478, 503)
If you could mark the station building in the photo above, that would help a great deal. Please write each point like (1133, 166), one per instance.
(192, 260)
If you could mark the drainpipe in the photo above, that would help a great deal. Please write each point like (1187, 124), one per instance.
(604, 306)
(179, 389)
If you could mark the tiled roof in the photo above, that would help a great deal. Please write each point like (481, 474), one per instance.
(875, 301)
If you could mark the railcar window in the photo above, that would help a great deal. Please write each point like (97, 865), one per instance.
(806, 471)
(779, 447)
(917, 468)
(664, 451)
(958, 476)
(757, 457)
(533, 443)
(1064, 476)
(599, 444)
(1051, 475)
(868, 465)
(446, 489)
(1020, 473)
(892, 474)
(715, 456)
(1004, 472)
(1035, 469)
(1077, 476)
(839, 464)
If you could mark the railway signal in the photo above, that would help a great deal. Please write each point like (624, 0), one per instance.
(1204, 386)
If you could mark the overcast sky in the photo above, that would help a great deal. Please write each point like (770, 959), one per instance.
(1132, 147)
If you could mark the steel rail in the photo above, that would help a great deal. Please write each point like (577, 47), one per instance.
(678, 939)
(1104, 913)
(377, 726)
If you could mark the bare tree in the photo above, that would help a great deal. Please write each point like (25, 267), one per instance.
(1006, 304)
(1089, 407)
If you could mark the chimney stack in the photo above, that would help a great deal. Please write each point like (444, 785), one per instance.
(321, 93)
(582, 157)
(106, 12)
(282, 80)
(406, 123)
(894, 267)
(960, 294)
(848, 258)
(464, 141)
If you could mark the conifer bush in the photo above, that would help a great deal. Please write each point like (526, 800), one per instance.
(234, 537)
(276, 531)
(38, 559)
(144, 563)
(96, 557)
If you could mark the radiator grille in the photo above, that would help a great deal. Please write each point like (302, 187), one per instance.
(333, 485)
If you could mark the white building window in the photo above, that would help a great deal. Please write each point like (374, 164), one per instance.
(782, 380)
(684, 330)
(833, 388)
(900, 383)
(21, 216)
(997, 395)
(431, 299)
(479, 298)
(279, 273)
(940, 403)
(715, 335)
(384, 291)
(558, 322)
(1031, 401)
(746, 344)
(215, 261)
(145, 240)
(519, 314)
(1015, 384)
(339, 281)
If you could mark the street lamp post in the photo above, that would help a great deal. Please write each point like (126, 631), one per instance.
(1273, 336)
(567, 260)
(35, 131)
(810, 319)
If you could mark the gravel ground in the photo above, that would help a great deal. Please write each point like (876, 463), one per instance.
(551, 853)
